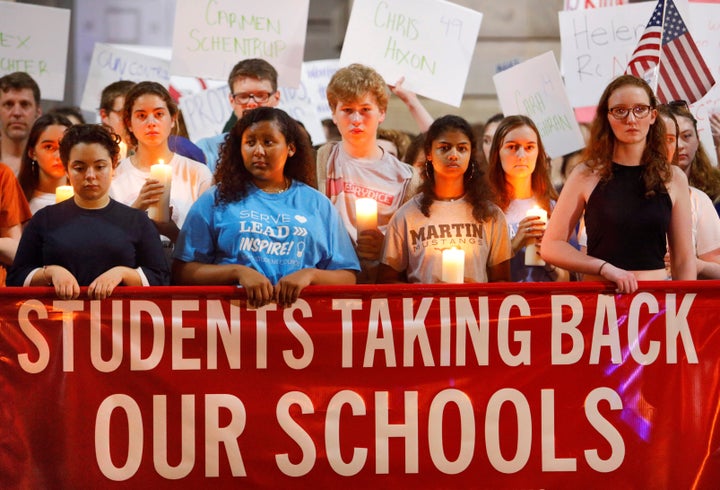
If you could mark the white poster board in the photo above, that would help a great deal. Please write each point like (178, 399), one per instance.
(206, 112)
(592, 4)
(429, 42)
(111, 63)
(34, 40)
(317, 75)
(211, 36)
(301, 103)
(535, 88)
(597, 45)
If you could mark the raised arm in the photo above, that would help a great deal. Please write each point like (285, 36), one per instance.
(418, 112)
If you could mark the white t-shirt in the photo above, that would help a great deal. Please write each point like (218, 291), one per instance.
(189, 180)
(386, 180)
(41, 199)
(414, 242)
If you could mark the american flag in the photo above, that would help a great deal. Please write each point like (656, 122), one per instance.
(676, 63)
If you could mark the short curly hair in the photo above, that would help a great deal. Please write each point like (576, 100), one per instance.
(352, 82)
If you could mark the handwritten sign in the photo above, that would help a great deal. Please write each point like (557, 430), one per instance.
(429, 42)
(112, 62)
(301, 103)
(597, 45)
(316, 76)
(592, 4)
(206, 112)
(211, 36)
(534, 88)
(34, 39)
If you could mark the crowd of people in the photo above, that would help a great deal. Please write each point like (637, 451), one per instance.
(260, 207)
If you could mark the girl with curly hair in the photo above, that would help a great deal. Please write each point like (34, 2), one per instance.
(452, 209)
(263, 226)
(634, 200)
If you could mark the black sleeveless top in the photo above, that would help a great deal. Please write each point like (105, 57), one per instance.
(623, 226)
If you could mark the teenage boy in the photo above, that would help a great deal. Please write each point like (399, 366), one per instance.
(253, 83)
(356, 166)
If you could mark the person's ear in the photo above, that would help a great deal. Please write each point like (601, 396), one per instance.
(291, 149)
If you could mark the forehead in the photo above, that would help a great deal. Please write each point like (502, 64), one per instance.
(251, 84)
(265, 128)
(52, 132)
(88, 152)
(628, 94)
(149, 102)
(367, 99)
(24, 94)
(521, 134)
(452, 136)
(685, 123)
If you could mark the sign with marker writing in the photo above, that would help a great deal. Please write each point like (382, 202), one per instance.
(317, 75)
(301, 103)
(597, 45)
(111, 62)
(34, 40)
(534, 88)
(429, 42)
(211, 36)
(592, 4)
(206, 112)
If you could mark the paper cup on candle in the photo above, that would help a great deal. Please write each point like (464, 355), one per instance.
(160, 211)
(365, 214)
(63, 192)
(531, 251)
(453, 266)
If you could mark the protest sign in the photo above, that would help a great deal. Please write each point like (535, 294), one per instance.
(535, 88)
(206, 112)
(301, 103)
(211, 36)
(596, 47)
(112, 62)
(429, 42)
(317, 75)
(34, 40)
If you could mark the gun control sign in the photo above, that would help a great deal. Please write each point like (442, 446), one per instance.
(416, 386)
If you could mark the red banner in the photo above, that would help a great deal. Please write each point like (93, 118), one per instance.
(483, 386)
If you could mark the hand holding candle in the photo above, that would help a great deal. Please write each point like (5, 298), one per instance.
(365, 214)
(160, 211)
(453, 266)
(531, 251)
(63, 192)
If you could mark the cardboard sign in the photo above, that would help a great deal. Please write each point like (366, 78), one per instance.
(206, 112)
(211, 36)
(112, 62)
(35, 40)
(429, 42)
(534, 88)
(596, 47)
(317, 75)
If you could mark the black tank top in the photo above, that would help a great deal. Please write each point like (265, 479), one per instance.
(623, 226)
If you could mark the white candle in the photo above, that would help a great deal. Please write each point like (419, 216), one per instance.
(160, 211)
(531, 251)
(63, 192)
(365, 214)
(123, 150)
(453, 266)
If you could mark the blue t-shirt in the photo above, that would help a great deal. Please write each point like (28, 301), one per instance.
(275, 234)
(210, 146)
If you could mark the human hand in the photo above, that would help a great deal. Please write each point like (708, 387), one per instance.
(370, 244)
(257, 287)
(104, 284)
(66, 286)
(169, 229)
(288, 287)
(403, 94)
(530, 230)
(715, 126)
(149, 194)
(625, 281)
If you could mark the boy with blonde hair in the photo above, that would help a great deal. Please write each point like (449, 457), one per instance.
(356, 166)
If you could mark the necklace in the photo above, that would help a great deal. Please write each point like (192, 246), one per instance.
(286, 186)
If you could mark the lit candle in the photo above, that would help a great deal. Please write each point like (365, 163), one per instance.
(160, 211)
(63, 192)
(365, 214)
(123, 150)
(531, 251)
(453, 266)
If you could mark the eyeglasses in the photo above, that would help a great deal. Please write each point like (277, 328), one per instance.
(639, 111)
(244, 97)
